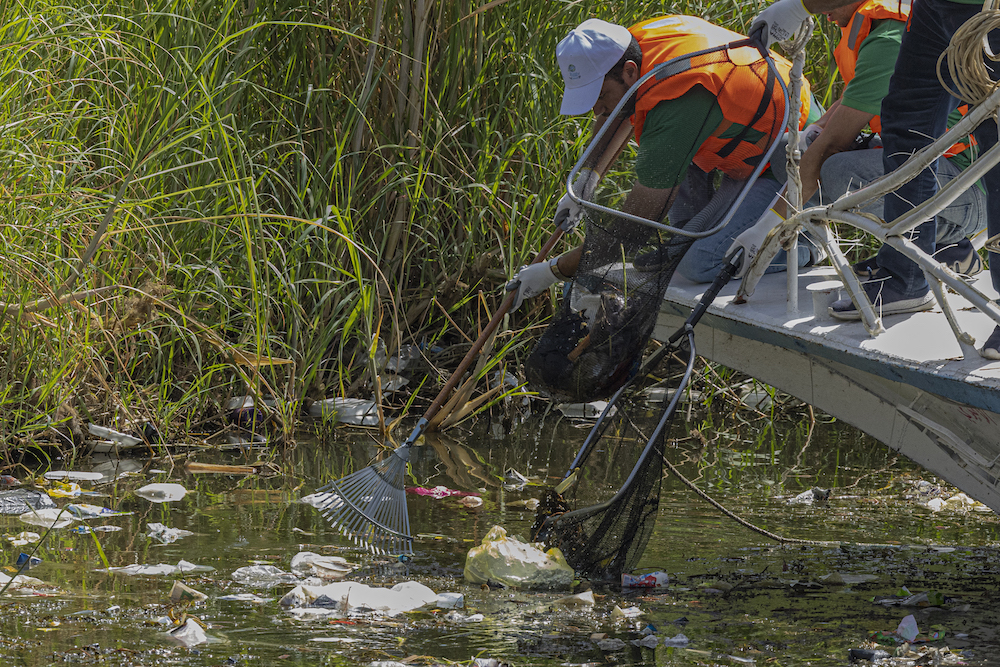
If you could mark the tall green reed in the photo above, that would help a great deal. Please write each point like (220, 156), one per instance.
(183, 185)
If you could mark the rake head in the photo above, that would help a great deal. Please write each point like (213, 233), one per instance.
(369, 506)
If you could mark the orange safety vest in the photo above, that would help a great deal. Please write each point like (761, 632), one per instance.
(961, 146)
(854, 35)
(740, 80)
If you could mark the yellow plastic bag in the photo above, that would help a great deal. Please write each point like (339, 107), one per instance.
(513, 563)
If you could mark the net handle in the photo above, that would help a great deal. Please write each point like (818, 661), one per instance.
(664, 71)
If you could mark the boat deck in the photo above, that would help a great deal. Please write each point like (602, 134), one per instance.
(911, 387)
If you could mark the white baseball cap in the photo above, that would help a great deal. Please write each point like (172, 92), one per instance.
(585, 55)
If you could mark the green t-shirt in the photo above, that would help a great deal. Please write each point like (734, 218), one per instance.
(876, 60)
(670, 139)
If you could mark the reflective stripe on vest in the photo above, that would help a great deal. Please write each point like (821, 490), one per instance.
(854, 35)
(740, 80)
(961, 146)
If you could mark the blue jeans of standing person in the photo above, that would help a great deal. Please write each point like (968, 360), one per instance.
(706, 256)
(914, 112)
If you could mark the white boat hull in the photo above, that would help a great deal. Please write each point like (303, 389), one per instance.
(909, 388)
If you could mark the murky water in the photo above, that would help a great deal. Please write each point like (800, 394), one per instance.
(736, 596)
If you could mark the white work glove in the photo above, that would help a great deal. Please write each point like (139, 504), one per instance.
(531, 281)
(568, 212)
(780, 21)
(753, 238)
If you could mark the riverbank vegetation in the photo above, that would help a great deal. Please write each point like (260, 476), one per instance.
(202, 200)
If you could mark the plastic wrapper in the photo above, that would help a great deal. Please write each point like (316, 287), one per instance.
(48, 517)
(309, 564)
(510, 562)
(164, 534)
(351, 597)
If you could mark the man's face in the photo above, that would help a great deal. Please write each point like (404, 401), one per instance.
(842, 15)
(614, 90)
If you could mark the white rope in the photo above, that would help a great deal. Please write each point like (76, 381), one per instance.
(965, 52)
(797, 47)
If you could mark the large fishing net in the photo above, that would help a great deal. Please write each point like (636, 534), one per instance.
(595, 341)
(603, 533)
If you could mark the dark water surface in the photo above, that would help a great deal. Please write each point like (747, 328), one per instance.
(737, 596)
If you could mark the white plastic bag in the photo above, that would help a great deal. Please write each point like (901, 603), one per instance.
(507, 561)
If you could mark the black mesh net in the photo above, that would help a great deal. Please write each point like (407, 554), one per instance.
(602, 537)
(595, 341)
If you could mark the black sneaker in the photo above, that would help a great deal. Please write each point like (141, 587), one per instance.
(885, 300)
(867, 268)
(961, 258)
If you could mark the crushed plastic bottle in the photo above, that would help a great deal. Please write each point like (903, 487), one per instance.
(331, 568)
(651, 580)
(165, 535)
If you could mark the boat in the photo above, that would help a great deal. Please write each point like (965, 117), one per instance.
(913, 387)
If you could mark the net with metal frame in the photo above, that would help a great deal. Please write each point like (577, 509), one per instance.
(594, 344)
(596, 339)
(602, 538)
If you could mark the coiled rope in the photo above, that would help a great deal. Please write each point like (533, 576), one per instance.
(965, 56)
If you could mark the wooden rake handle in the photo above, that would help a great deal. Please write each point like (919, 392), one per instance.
(494, 322)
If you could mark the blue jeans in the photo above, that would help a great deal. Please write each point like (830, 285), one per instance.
(851, 170)
(914, 112)
(706, 256)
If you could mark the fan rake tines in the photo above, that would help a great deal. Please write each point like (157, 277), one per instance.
(369, 506)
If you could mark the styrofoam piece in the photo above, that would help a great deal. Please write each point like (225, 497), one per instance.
(590, 410)
(161, 492)
(74, 475)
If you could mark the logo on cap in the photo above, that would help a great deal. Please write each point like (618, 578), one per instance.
(573, 74)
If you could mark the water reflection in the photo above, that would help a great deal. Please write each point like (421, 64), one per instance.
(734, 594)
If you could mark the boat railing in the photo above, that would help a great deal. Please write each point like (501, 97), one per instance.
(818, 223)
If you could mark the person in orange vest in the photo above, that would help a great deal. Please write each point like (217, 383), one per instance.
(841, 157)
(720, 114)
(914, 112)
